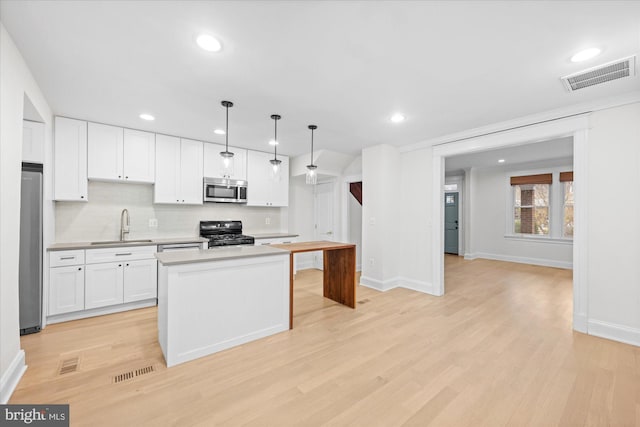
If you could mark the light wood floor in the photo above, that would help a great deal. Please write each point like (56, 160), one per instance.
(498, 349)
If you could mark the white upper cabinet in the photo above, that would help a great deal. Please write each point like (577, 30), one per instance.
(70, 159)
(263, 188)
(167, 167)
(139, 156)
(191, 171)
(105, 152)
(117, 154)
(32, 142)
(178, 171)
(213, 162)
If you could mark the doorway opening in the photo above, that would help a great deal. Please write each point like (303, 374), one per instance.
(574, 127)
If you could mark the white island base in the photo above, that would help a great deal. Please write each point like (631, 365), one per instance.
(219, 298)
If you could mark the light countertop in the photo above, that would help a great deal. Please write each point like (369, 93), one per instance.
(217, 254)
(132, 242)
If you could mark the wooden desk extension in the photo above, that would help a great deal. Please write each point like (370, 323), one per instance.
(339, 281)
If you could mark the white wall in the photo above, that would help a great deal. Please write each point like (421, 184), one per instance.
(397, 197)
(16, 81)
(488, 224)
(613, 227)
(354, 216)
(413, 220)
(380, 181)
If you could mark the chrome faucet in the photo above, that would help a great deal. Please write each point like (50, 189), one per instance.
(124, 225)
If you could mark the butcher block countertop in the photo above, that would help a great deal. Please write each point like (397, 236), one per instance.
(320, 245)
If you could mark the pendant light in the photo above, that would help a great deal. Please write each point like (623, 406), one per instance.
(275, 162)
(312, 176)
(226, 155)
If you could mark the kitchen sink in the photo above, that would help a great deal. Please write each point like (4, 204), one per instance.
(121, 242)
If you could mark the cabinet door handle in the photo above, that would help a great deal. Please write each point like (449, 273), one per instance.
(67, 257)
(127, 253)
(79, 268)
(119, 265)
(82, 197)
(126, 177)
(126, 265)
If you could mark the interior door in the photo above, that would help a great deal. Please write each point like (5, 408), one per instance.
(451, 223)
(324, 217)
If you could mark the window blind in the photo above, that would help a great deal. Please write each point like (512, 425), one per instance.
(544, 178)
(566, 176)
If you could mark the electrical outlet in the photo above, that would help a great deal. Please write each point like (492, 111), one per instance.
(372, 220)
(267, 220)
(153, 223)
(372, 261)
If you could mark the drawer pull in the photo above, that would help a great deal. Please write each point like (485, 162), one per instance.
(287, 242)
(67, 257)
(265, 243)
(122, 254)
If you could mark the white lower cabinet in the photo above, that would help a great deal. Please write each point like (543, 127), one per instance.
(104, 285)
(66, 289)
(140, 280)
(101, 277)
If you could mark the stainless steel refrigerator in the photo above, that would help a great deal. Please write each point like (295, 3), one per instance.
(30, 274)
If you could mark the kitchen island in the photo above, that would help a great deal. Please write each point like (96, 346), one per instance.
(214, 299)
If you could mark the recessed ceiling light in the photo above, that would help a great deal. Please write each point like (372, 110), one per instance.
(147, 117)
(273, 142)
(583, 55)
(219, 132)
(397, 118)
(501, 161)
(208, 43)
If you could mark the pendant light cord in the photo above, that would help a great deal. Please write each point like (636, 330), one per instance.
(275, 137)
(311, 147)
(226, 139)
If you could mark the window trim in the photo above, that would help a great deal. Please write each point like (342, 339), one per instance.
(556, 206)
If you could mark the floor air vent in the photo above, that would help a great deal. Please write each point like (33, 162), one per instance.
(68, 365)
(625, 67)
(125, 376)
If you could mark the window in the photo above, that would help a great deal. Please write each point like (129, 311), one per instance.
(541, 206)
(531, 204)
(566, 178)
(531, 209)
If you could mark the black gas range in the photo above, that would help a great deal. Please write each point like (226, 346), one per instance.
(224, 233)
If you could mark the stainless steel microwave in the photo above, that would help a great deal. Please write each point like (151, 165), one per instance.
(223, 190)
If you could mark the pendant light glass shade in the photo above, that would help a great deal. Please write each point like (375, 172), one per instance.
(226, 155)
(312, 175)
(275, 162)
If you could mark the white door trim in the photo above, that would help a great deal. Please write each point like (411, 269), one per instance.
(572, 126)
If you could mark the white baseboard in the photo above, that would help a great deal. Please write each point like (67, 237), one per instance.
(11, 377)
(580, 323)
(614, 332)
(521, 260)
(100, 311)
(397, 282)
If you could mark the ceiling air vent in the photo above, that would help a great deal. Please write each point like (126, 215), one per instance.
(618, 69)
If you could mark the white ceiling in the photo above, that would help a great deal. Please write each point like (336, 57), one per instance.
(345, 66)
(556, 149)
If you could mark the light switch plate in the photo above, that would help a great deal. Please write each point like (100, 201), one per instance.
(153, 223)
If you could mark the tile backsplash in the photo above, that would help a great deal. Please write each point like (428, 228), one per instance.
(99, 218)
